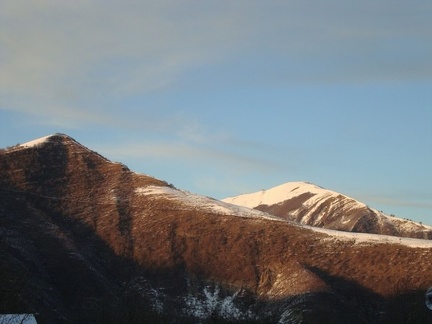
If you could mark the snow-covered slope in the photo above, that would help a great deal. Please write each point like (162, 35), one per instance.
(36, 142)
(280, 194)
(190, 201)
(312, 205)
(187, 201)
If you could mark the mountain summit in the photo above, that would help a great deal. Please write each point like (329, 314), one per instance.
(86, 240)
(308, 204)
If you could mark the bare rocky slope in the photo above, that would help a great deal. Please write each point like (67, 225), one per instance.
(86, 240)
(309, 204)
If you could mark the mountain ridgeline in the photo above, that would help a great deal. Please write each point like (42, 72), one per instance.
(309, 204)
(86, 240)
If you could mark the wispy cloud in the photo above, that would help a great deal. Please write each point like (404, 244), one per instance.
(190, 154)
(57, 53)
(63, 58)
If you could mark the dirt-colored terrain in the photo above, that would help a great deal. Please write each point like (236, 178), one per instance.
(81, 242)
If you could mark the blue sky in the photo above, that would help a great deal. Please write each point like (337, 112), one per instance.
(229, 97)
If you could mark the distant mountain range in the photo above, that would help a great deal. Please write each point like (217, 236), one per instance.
(309, 204)
(86, 240)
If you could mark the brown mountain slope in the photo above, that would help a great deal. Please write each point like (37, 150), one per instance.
(85, 239)
(309, 204)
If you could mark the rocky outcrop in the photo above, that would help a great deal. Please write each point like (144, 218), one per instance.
(83, 239)
(309, 204)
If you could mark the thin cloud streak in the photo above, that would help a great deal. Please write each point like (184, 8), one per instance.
(63, 54)
(123, 49)
(188, 153)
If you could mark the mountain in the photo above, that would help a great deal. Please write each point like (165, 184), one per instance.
(86, 240)
(308, 204)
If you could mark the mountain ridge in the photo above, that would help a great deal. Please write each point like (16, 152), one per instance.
(81, 232)
(312, 205)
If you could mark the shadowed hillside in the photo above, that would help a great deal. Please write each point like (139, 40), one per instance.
(88, 240)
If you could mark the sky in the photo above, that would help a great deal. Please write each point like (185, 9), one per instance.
(226, 97)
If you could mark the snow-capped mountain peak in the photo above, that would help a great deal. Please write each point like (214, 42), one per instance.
(279, 194)
(312, 205)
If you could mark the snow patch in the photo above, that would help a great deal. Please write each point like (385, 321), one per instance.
(293, 312)
(193, 201)
(364, 238)
(17, 319)
(36, 142)
(211, 303)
